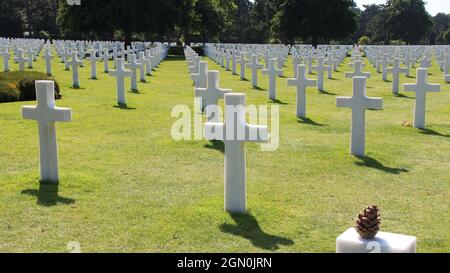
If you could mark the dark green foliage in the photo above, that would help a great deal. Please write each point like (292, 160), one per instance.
(23, 83)
(11, 21)
(408, 20)
(227, 21)
(8, 93)
(315, 21)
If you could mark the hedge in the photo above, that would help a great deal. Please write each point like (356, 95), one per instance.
(20, 86)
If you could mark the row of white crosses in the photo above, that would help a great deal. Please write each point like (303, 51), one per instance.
(382, 56)
(144, 62)
(359, 102)
(233, 131)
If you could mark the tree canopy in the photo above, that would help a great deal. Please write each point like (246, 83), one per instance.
(233, 21)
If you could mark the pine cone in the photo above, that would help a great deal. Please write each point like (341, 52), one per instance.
(368, 222)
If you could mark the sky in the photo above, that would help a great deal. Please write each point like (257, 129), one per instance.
(433, 6)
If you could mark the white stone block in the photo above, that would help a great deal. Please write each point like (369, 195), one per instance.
(384, 242)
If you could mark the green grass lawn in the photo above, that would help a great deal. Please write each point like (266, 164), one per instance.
(127, 186)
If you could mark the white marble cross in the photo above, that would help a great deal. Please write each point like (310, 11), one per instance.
(133, 66)
(30, 55)
(149, 60)
(242, 62)
(396, 70)
(93, 61)
(47, 114)
(421, 88)
(301, 82)
(200, 77)
(195, 65)
(295, 61)
(359, 103)
(75, 63)
(67, 55)
(272, 72)
(227, 59)
(5, 55)
(20, 59)
(106, 56)
(120, 73)
(234, 60)
(212, 93)
(48, 61)
(447, 78)
(358, 66)
(321, 68)
(142, 62)
(384, 63)
(254, 66)
(235, 132)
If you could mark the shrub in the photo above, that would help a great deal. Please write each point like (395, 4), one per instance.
(364, 40)
(28, 91)
(24, 84)
(8, 93)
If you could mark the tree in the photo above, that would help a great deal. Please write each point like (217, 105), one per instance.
(366, 19)
(315, 20)
(377, 27)
(211, 20)
(262, 14)
(11, 20)
(408, 20)
(446, 37)
(441, 23)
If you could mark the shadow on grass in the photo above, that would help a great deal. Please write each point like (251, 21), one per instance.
(259, 88)
(309, 122)
(326, 93)
(432, 133)
(278, 102)
(124, 107)
(404, 96)
(248, 227)
(370, 162)
(47, 195)
(216, 145)
(77, 88)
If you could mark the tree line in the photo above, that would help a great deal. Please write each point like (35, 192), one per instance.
(228, 21)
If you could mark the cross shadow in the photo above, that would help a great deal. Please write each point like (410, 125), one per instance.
(259, 88)
(77, 88)
(404, 97)
(367, 161)
(432, 133)
(334, 79)
(47, 195)
(326, 93)
(277, 101)
(135, 91)
(248, 227)
(244, 80)
(124, 106)
(216, 145)
(309, 122)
